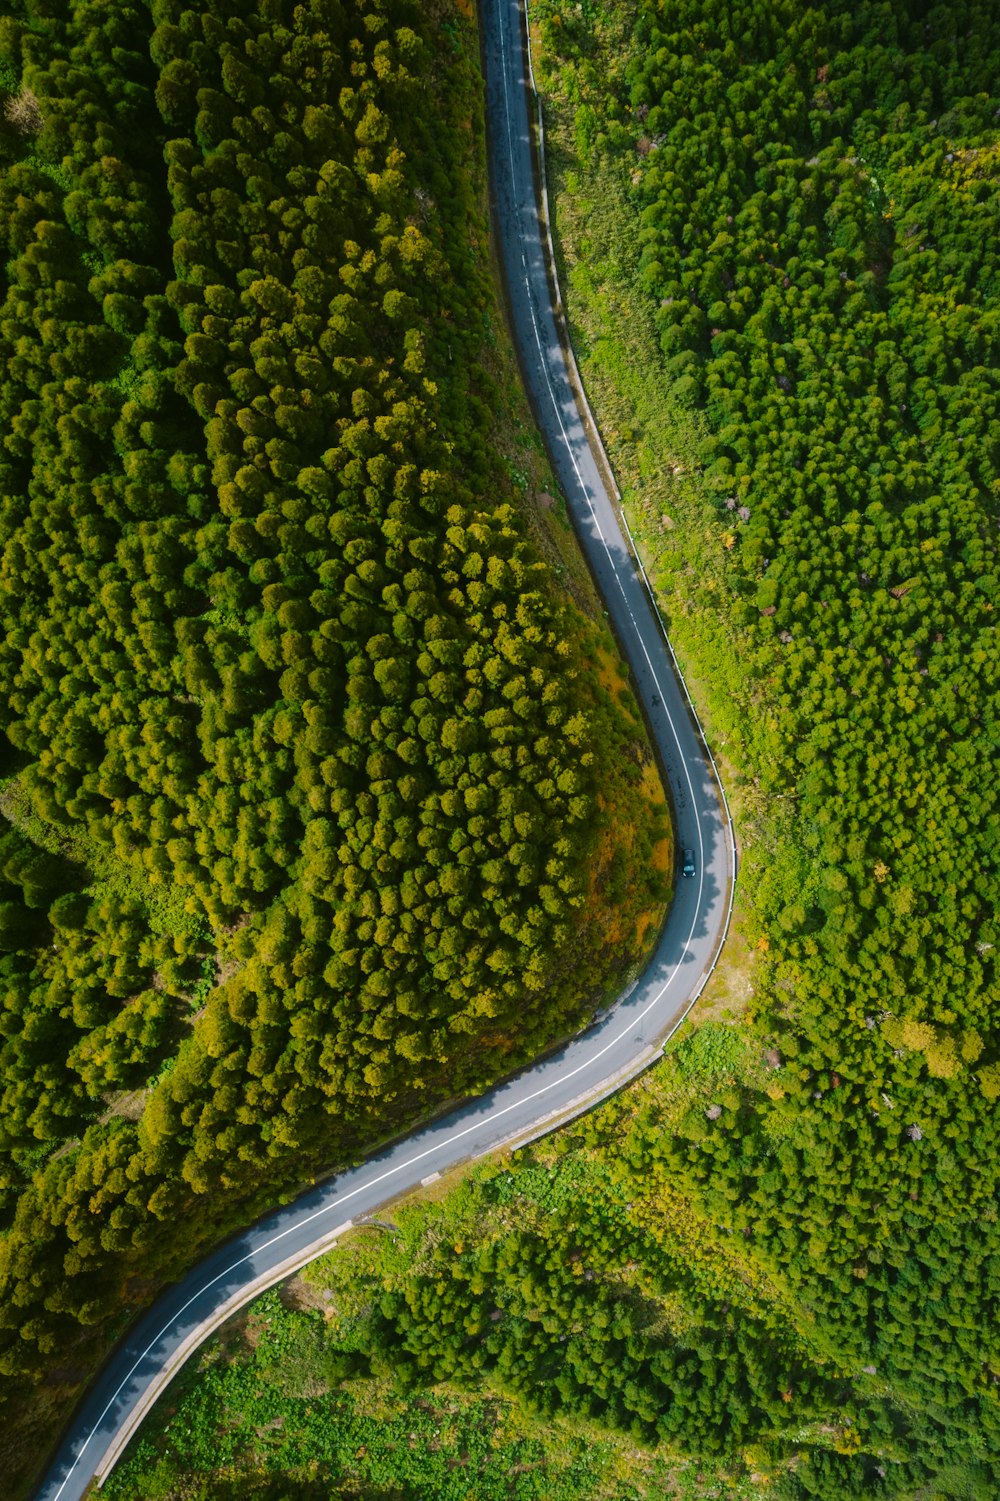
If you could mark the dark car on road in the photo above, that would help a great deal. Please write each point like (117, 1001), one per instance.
(687, 862)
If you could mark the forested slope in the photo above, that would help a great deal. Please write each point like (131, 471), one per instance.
(321, 812)
(772, 1265)
(781, 240)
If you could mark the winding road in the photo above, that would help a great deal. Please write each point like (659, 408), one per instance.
(589, 1066)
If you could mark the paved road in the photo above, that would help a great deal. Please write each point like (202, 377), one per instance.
(694, 930)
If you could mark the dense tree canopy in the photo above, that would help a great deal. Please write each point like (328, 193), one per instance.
(282, 665)
(803, 214)
(806, 202)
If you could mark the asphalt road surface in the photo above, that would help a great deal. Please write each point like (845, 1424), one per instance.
(563, 1082)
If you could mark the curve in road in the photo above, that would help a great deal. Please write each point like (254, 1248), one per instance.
(591, 1065)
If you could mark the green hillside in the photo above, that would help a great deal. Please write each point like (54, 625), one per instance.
(326, 798)
(779, 229)
(773, 1266)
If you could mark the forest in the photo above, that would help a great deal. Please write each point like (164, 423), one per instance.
(784, 219)
(326, 800)
(773, 1264)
